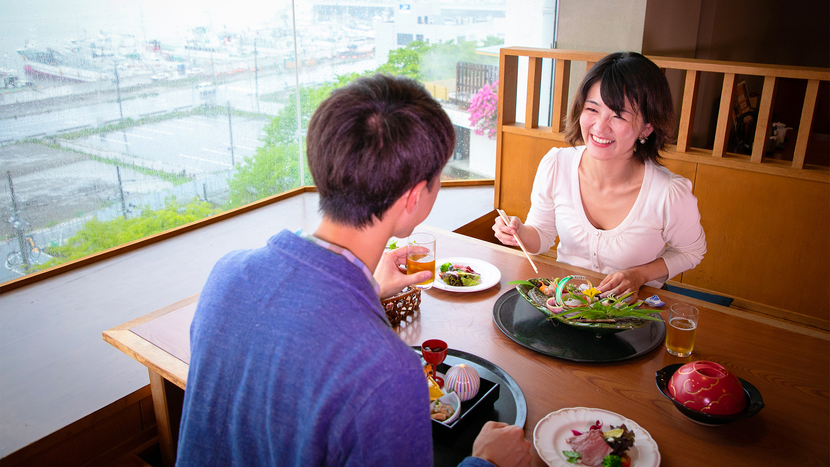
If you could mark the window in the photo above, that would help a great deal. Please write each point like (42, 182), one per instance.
(404, 39)
(133, 118)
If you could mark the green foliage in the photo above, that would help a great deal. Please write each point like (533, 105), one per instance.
(275, 166)
(98, 236)
(273, 169)
(406, 61)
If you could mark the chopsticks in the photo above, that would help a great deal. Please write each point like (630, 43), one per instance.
(522, 245)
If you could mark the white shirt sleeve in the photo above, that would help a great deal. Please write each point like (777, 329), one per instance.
(685, 240)
(542, 214)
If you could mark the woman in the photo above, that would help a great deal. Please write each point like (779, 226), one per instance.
(613, 207)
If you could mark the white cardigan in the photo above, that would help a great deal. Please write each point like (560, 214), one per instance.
(664, 222)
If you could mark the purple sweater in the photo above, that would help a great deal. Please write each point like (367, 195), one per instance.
(293, 362)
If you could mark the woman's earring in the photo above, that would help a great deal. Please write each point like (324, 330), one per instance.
(642, 140)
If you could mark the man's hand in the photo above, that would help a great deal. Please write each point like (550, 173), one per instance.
(502, 444)
(390, 275)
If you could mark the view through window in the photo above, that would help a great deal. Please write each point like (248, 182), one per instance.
(124, 119)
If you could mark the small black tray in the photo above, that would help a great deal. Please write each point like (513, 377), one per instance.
(510, 408)
(482, 403)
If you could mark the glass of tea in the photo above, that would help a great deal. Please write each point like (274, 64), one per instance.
(420, 256)
(680, 333)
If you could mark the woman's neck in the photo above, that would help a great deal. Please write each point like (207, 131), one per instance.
(610, 173)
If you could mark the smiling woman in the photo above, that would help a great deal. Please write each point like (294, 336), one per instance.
(613, 208)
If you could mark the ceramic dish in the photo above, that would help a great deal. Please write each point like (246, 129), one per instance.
(490, 275)
(523, 324)
(754, 400)
(451, 400)
(624, 324)
(551, 433)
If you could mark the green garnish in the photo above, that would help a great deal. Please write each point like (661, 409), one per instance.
(572, 456)
(522, 283)
(446, 267)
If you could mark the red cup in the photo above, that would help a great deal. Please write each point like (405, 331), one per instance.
(434, 351)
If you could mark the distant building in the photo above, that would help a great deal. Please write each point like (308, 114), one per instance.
(437, 23)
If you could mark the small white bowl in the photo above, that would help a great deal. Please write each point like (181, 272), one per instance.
(453, 401)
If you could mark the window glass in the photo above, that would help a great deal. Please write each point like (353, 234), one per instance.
(124, 119)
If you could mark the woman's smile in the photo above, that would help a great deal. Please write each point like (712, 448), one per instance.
(608, 134)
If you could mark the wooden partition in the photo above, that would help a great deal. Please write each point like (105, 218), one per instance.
(767, 221)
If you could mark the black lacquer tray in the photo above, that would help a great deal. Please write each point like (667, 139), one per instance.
(510, 408)
(525, 325)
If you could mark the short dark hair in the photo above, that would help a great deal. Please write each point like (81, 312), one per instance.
(372, 140)
(631, 76)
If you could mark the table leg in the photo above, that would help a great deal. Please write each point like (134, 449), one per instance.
(167, 405)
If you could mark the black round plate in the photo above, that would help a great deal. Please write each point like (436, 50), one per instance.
(524, 324)
(510, 407)
(754, 401)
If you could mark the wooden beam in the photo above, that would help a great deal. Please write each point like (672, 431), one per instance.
(724, 122)
(534, 83)
(561, 82)
(687, 111)
(806, 124)
(167, 405)
(508, 86)
(762, 124)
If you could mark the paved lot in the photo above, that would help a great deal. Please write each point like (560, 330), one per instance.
(53, 186)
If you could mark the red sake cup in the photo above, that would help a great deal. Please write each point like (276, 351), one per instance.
(434, 351)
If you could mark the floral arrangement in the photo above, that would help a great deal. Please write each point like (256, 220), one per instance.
(484, 110)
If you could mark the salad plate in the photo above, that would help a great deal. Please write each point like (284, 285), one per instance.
(490, 275)
(551, 433)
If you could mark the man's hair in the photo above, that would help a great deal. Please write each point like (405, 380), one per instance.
(631, 76)
(372, 140)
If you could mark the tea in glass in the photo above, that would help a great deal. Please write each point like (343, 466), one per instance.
(680, 333)
(420, 256)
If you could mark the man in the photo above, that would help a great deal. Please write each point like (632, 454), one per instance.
(293, 359)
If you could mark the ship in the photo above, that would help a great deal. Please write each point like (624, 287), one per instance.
(70, 65)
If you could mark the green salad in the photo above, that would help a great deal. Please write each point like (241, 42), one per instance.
(458, 275)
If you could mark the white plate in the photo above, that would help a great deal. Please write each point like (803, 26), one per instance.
(490, 275)
(551, 433)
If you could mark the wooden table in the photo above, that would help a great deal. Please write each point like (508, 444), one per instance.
(788, 364)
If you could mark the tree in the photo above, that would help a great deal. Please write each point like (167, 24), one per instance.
(275, 167)
(98, 235)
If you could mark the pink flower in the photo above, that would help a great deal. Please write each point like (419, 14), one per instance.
(484, 110)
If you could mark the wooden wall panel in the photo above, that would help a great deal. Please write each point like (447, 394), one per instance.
(518, 168)
(682, 168)
(95, 440)
(767, 239)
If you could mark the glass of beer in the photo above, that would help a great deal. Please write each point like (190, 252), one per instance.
(680, 333)
(420, 256)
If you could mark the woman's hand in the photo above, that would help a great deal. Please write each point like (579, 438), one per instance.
(630, 280)
(506, 232)
(621, 282)
(390, 273)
